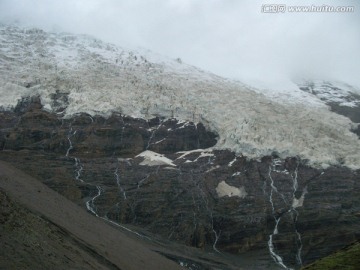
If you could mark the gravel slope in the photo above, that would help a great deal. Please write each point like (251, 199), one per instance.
(60, 232)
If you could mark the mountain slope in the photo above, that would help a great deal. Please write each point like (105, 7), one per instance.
(342, 98)
(346, 258)
(154, 177)
(90, 238)
(96, 77)
(30, 241)
(176, 153)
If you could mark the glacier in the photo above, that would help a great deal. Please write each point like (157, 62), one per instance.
(100, 78)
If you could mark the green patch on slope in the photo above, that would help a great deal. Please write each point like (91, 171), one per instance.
(345, 259)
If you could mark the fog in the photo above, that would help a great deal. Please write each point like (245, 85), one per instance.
(231, 38)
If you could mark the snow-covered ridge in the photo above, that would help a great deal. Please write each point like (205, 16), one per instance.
(336, 92)
(101, 78)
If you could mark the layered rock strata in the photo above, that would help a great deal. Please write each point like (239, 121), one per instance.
(163, 176)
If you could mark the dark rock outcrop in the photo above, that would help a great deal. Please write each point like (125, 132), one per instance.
(208, 199)
(345, 102)
(29, 127)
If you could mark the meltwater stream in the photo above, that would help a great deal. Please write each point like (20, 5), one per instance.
(90, 204)
(277, 258)
(291, 206)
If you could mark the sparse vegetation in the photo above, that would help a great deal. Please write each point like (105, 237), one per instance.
(345, 259)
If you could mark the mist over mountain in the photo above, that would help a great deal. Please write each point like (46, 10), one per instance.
(229, 38)
(256, 169)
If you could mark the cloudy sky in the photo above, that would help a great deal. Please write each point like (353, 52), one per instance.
(233, 38)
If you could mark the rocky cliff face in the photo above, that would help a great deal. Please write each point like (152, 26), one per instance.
(163, 176)
(341, 98)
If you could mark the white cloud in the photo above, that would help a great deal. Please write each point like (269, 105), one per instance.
(231, 38)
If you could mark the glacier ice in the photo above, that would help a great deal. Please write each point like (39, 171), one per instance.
(100, 78)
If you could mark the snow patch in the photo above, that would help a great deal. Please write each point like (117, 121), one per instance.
(332, 92)
(170, 168)
(232, 162)
(159, 141)
(154, 159)
(223, 189)
(203, 153)
(213, 168)
(299, 202)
